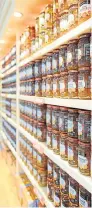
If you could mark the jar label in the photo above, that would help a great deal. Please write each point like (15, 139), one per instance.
(82, 203)
(48, 118)
(82, 162)
(39, 158)
(53, 120)
(79, 54)
(71, 19)
(48, 87)
(69, 57)
(84, 8)
(61, 61)
(72, 193)
(39, 114)
(43, 87)
(79, 129)
(62, 86)
(34, 154)
(62, 183)
(48, 65)
(70, 126)
(61, 120)
(36, 87)
(81, 85)
(64, 24)
(71, 86)
(54, 64)
(70, 153)
(54, 143)
(62, 148)
(42, 21)
(49, 168)
(54, 87)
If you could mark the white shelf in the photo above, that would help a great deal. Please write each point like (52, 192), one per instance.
(62, 40)
(41, 192)
(9, 71)
(70, 103)
(13, 96)
(9, 120)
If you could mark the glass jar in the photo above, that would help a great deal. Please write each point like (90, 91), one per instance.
(44, 86)
(41, 113)
(34, 111)
(48, 16)
(50, 190)
(73, 84)
(64, 22)
(33, 46)
(63, 146)
(37, 43)
(73, 16)
(35, 129)
(49, 64)
(35, 171)
(56, 89)
(50, 170)
(38, 87)
(56, 175)
(37, 26)
(49, 116)
(64, 184)
(49, 138)
(63, 120)
(84, 10)
(84, 84)
(84, 158)
(29, 150)
(84, 198)
(55, 117)
(84, 126)
(63, 83)
(63, 59)
(43, 66)
(31, 126)
(34, 156)
(42, 177)
(73, 193)
(57, 196)
(41, 132)
(56, 28)
(55, 10)
(55, 62)
(41, 39)
(72, 55)
(84, 59)
(42, 22)
(38, 69)
(73, 152)
(30, 71)
(49, 86)
(56, 142)
(73, 123)
(48, 36)
(41, 160)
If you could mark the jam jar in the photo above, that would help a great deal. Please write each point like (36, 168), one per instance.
(84, 126)
(56, 86)
(49, 138)
(48, 16)
(36, 43)
(50, 170)
(42, 22)
(50, 190)
(56, 175)
(84, 198)
(48, 35)
(35, 129)
(37, 26)
(73, 152)
(57, 196)
(63, 120)
(44, 86)
(55, 62)
(56, 142)
(29, 150)
(35, 171)
(73, 193)
(72, 55)
(42, 177)
(55, 9)
(64, 22)
(73, 84)
(63, 146)
(64, 184)
(84, 84)
(63, 58)
(73, 16)
(55, 117)
(84, 10)
(73, 123)
(34, 156)
(41, 160)
(84, 59)
(33, 46)
(43, 66)
(41, 39)
(37, 69)
(38, 87)
(63, 84)
(41, 132)
(49, 64)
(34, 111)
(84, 158)
(49, 116)
(31, 87)
(56, 28)
(41, 113)
(49, 86)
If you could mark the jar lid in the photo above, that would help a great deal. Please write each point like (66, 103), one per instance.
(73, 41)
(55, 107)
(38, 79)
(84, 112)
(56, 75)
(73, 71)
(63, 108)
(55, 131)
(75, 141)
(82, 144)
(84, 69)
(49, 76)
(72, 110)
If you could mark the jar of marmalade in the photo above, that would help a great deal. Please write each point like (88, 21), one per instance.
(41, 132)
(73, 16)
(43, 66)
(56, 142)
(84, 198)
(49, 64)
(41, 113)
(84, 10)
(73, 152)
(31, 87)
(73, 84)
(63, 120)
(38, 87)
(73, 123)
(84, 158)
(56, 89)
(84, 126)
(63, 146)
(49, 138)
(73, 193)
(55, 117)
(34, 111)
(84, 84)
(34, 156)
(63, 22)
(44, 86)
(37, 69)
(56, 29)
(72, 55)
(63, 59)
(35, 129)
(50, 170)
(41, 160)
(63, 83)
(42, 177)
(84, 59)
(55, 62)
(49, 86)
(57, 196)
(49, 116)
(50, 190)
(64, 184)
(48, 16)
(56, 175)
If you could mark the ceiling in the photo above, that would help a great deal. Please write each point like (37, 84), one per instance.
(30, 10)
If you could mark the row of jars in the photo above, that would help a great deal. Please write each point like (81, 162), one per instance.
(9, 88)
(10, 132)
(63, 190)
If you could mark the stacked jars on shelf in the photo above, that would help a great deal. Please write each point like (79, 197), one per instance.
(9, 107)
(9, 84)
(34, 159)
(64, 73)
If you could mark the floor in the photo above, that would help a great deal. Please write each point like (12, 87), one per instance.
(8, 191)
